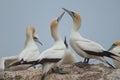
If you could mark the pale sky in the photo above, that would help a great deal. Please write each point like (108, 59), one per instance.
(100, 21)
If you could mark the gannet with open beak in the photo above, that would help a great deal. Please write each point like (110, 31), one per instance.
(31, 51)
(115, 48)
(84, 47)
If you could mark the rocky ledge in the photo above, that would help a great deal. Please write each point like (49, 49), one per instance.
(78, 71)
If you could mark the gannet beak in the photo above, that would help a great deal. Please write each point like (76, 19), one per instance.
(65, 42)
(36, 39)
(112, 47)
(71, 13)
(60, 17)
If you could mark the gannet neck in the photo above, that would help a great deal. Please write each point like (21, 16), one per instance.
(54, 30)
(29, 32)
(76, 27)
(28, 42)
(75, 34)
(77, 22)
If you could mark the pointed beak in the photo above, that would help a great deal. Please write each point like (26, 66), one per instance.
(60, 17)
(65, 42)
(69, 12)
(38, 41)
(111, 47)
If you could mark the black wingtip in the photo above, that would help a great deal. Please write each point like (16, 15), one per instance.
(110, 55)
(110, 65)
(65, 42)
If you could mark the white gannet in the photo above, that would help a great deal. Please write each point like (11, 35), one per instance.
(54, 54)
(115, 48)
(69, 58)
(30, 52)
(84, 47)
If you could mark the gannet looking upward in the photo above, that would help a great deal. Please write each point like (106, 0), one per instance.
(54, 54)
(84, 47)
(115, 48)
(30, 51)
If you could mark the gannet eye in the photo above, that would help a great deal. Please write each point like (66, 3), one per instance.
(73, 13)
(114, 45)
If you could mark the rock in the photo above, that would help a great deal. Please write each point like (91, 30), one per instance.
(21, 75)
(78, 71)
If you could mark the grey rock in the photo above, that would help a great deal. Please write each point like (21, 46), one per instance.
(78, 71)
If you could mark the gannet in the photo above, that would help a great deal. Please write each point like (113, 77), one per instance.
(84, 47)
(69, 57)
(54, 54)
(30, 52)
(115, 48)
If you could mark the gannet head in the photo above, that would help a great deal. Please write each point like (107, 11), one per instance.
(30, 33)
(54, 26)
(116, 43)
(75, 16)
(55, 22)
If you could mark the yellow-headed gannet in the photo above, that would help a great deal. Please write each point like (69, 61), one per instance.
(54, 54)
(30, 52)
(84, 47)
(115, 48)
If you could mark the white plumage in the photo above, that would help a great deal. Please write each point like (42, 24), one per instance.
(30, 51)
(56, 51)
(69, 57)
(84, 47)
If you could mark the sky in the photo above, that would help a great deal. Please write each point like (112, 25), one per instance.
(100, 22)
